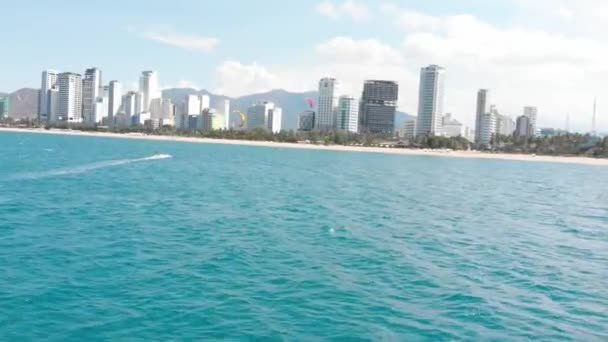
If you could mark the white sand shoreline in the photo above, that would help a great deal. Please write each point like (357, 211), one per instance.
(411, 152)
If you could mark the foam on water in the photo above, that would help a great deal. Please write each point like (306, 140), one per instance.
(74, 170)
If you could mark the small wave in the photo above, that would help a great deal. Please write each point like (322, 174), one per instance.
(87, 167)
(157, 157)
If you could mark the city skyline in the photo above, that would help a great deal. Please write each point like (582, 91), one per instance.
(557, 57)
(73, 101)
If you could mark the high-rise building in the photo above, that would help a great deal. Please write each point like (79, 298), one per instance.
(205, 102)
(4, 107)
(53, 103)
(168, 110)
(378, 106)
(275, 120)
(148, 86)
(114, 101)
(101, 109)
(212, 120)
(156, 109)
(524, 128)
(328, 101)
(265, 115)
(487, 129)
(101, 104)
(306, 121)
(226, 111)
(504, 124)
(430, 100)
(347, 118)
(91, 85)
(483, 107)
(532, 113)
(409, 129)
(49, 81)
(69, 102)
(181, 121)
(193, 105)
(129, 106)
(139, 103)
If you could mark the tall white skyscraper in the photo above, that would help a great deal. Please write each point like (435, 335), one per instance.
(275, 119)
(114, 101)
(193, 105)
(205, 102)
(532, 113)
(69, 102)
(328, 101)
(129, 106)
(430, 100)
(487, 128)
(347, 118)
(148, 86)
(483, 107)
(101, 104)
(53, 103)
(49, 80)
(226, 114)
(139, 103)
(90, 92)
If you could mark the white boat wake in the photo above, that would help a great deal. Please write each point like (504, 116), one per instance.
(87, 167)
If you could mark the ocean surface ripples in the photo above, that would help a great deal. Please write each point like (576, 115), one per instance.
(245, 243)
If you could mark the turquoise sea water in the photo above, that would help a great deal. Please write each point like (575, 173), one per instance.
(99, 242)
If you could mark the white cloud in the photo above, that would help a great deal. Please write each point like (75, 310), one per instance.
(355, 11)
(564, 13)
(414, 21)
(183, 41)
(328, 9)
(558, 72)
(349, 60)
(187, 84)
(236, 79)
(588, 17)
(366, 51)
(347, 9)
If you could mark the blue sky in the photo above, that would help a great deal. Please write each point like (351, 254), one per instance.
(527, 52)
(72, 35)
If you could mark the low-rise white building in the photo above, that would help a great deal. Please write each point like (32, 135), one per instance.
(408, 131)
(452, 127)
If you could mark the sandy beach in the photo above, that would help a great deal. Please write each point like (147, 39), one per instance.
(410, 152)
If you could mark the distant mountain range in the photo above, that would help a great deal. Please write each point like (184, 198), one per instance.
(23, 103)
